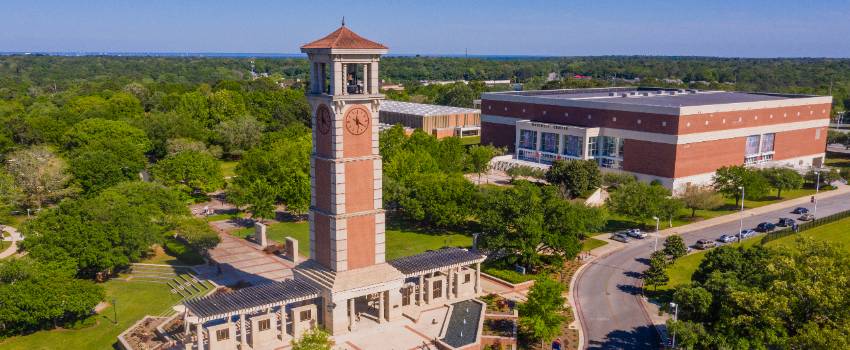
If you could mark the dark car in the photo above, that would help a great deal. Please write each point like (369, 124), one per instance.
(785, 222)
(765, 227)
(800, 210)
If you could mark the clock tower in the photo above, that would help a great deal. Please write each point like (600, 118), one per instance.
(346, 218)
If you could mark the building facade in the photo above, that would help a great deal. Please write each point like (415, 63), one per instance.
(440, 121)
(674, 136)
(347, 285)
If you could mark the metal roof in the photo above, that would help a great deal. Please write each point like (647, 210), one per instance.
(422, 109)
(435, 260)
(251, 299)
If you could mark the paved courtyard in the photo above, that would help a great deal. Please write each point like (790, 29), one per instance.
(241, 260)
(401, 334)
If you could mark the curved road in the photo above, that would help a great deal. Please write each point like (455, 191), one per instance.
(608, 290)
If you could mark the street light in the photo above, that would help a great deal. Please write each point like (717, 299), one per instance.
(741, 229)
(817, 188)
(656, 233)
(675, 318)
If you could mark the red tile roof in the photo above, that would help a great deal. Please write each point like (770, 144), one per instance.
(343, 38)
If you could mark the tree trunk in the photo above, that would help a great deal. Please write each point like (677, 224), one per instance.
(779, 193)
(693, 212)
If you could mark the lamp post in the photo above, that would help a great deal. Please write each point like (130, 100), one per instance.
(741, 229)
(817, 189)
(675, 318)
(655, 248)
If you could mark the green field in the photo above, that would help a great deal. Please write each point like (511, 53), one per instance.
(837, 232)
(135, 299)
(228, 168)
(591, 243)
(401, 241)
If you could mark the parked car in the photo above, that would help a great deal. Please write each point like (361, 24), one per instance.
(800, 210)
(636, 233)
(728, 238)
(765, 227)
(806, 217)
(746, 233)
(620, 237)
(705, 244)
(785, 222)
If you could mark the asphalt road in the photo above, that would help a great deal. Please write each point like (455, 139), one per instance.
(608, 290)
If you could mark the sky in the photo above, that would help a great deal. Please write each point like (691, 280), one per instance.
(742, 28)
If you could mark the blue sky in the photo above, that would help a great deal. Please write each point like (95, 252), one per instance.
(600, 27)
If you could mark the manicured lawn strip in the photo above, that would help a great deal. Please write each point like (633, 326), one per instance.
(591, 243)
(470, 140)
(401, 241)
(134, 299)
(228, 168)
(836, 232)
(838, 160)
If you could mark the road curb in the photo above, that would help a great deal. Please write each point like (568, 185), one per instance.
(573, 295)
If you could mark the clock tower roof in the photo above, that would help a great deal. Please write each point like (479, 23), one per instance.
(343, 38)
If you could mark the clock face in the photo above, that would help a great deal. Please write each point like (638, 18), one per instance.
(357, 120)
(323, 119)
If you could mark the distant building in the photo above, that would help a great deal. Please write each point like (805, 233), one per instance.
(674, 136)
(440, 121)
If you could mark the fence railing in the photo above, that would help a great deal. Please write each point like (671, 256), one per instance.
(805, 226)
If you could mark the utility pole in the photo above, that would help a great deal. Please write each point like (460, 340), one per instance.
(115, 310)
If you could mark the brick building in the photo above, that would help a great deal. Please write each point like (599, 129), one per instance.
(674, 136)
(440, 121)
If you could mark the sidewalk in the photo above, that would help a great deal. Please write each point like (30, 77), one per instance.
(14, 237)
(613, 246)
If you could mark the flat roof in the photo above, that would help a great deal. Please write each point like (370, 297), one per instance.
(661, 100)
(422, 109)
(435, 260)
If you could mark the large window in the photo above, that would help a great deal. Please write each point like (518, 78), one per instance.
(222, 334)
(592, 147)
(753, 143)
(528, 139)
(767, 143)
(264, 324)
(572, 146)
(609, 146)
(549, 142)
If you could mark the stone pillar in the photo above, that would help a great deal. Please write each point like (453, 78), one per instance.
(199, 328)
(373, 78)
(351, 314)
(314, 78)
(381, 307)
(345, 79)
(260, 234)
(336, 79)
(292, 248)
(367, 83)
(478, 278)
(448, 290)
(421, 287)
(243, 338)
(282, 326)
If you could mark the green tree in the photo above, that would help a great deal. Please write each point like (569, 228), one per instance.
(438, 199)
(541, 316)
(314, 339)
(162, 127)
(674, 247)
(728, 180)
(190, 171)
(260, 198)
(42, 295)
(696, 197)
(197, 233)
(640, 201)
(574, 177)
(95, 169)
(226, 105)
(656, 274)
(783, 179)
(479, 159)
(239, 134)
(40, 174)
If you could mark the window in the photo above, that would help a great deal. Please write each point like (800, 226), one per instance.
(264, 324)
(572, 146)
(528, 139)
(222, 334)
(752, 145)
(592, 147)
(549, 142)
(467, 278)
(438, 290)
(767, 143)
(305, 315)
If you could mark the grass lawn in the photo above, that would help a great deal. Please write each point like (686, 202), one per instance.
(838, 160)
(401, 240)
(4, 245)
(618, 222)
(470, 140)
(836, 232)
(134, 299)
(591, 243)
(228, 168)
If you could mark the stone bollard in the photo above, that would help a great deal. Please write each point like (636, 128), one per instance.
(260, 234)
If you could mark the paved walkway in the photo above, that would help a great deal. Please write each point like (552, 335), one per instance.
(14, 237)
(241, 260)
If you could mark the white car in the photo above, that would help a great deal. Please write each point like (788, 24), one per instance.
(636, 233)
(728, 238)
(746, 233)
